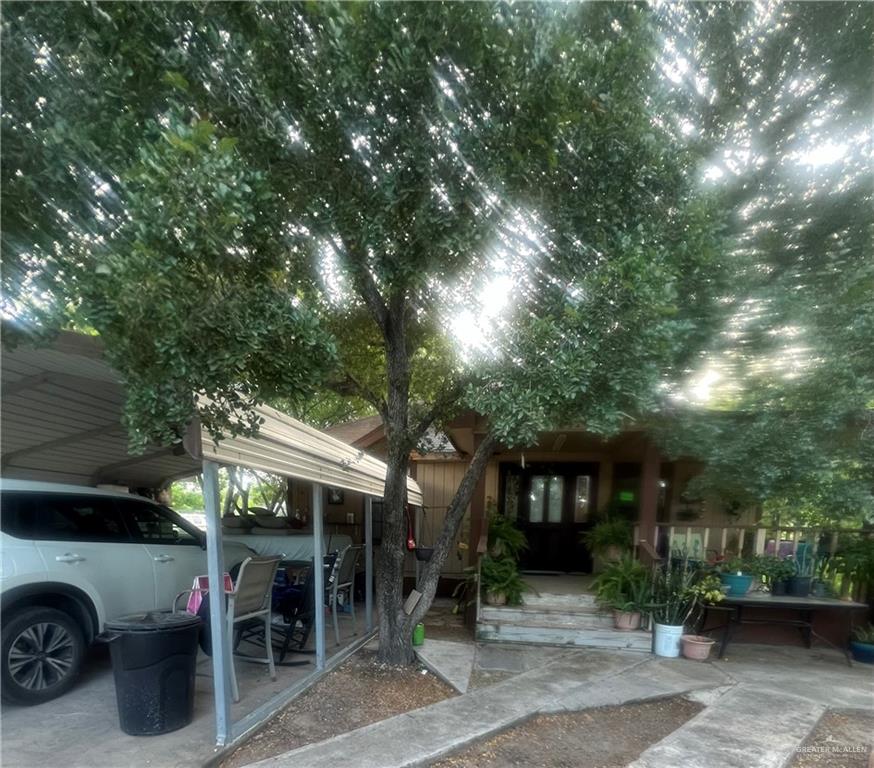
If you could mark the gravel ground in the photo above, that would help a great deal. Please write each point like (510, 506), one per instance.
(609, 737)
(841, 740)
(358, 692)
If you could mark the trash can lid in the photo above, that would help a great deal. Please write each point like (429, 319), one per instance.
(152, 621)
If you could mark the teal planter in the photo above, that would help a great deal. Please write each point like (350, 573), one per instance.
(739, 584)
(863, 652)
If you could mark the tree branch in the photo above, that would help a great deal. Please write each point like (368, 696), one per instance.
(452, 522)
(442, 403)
(349, 385)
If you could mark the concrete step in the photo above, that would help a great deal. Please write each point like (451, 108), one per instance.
(580, 637)
(533, 618)
(552, 602)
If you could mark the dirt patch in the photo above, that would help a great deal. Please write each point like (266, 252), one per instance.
(358, 692)
(841, 740)
(608, 737)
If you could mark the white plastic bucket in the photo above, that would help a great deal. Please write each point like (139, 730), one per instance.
(667, 640)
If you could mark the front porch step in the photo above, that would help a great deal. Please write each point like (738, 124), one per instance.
(528, 616)
(578, 637)
(546, 601)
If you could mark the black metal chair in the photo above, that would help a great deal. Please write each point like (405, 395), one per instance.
(296, 604)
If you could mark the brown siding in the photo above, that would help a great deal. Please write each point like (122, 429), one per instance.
(439, 481)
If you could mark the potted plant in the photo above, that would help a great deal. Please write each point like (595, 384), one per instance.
(609, 539)
(624, 588)
(707, 591)
(499, 570)
(673, 601)
(862, 644)
(501, 582)
(799, 584)
(776, 570)
(737, 575)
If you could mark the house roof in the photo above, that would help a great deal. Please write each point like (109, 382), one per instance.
(359, 433)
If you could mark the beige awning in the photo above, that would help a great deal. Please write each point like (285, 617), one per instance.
(62, 408)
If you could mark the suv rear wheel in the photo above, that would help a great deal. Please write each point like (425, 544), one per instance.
(42, 655)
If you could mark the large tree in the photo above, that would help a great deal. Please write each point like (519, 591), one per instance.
(426, 207)
(778, 98)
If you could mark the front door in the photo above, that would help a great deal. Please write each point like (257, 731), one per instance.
(552, 504)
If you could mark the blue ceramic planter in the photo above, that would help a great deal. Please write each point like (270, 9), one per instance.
(863, 652)
(739, 584)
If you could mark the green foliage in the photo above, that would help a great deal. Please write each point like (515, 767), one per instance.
(775, 568)
(672, 598)
(789, 422)
(499, 568)
(607, 534)
(864, 634)
(186, 497)
(623, 585)
(251, 195)
(500, 575)
(505, 539)
(854, 562)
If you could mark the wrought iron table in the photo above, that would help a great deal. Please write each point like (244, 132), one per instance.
(806, 607)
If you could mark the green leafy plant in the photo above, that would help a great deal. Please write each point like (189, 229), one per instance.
(737, 564)
(854, 563)
(614, 532)
(623, 586)
(679, 590)
(499, 569)
(775, 568)
(805, 562)
(864, 634)
(501, 576)
(505, 539)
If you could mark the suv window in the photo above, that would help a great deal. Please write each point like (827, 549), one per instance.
(61, 517)
(151, 524)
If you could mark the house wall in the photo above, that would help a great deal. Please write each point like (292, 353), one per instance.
(439, 480)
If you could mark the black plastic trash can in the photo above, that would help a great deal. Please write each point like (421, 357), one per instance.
(153, 659)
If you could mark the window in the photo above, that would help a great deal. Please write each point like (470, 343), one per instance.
(151, 524)
(581, 498)
(545, 499)
(62, 517)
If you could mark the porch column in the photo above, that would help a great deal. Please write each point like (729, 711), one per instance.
(319, 575)
(221, 646)
(649, 493)
(477, 509)
(368, 562)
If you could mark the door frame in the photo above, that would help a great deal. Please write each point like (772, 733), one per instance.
(573, 549)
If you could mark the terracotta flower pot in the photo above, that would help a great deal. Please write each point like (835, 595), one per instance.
(626, 620)
(697, 647)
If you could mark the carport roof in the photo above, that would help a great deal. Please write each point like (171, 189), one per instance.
(62, 408)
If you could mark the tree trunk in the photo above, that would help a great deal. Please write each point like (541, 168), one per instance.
(395, 627)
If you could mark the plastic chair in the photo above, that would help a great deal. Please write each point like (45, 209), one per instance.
(249, 601)
(342, 586)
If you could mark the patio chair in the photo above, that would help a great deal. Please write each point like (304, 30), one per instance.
(343, 587)
(249, 602)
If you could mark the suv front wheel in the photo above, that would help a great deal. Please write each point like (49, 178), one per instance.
(42, 655)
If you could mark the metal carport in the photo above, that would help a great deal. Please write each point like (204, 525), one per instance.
(61, 422)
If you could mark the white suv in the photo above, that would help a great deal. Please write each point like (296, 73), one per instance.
(73, 557)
